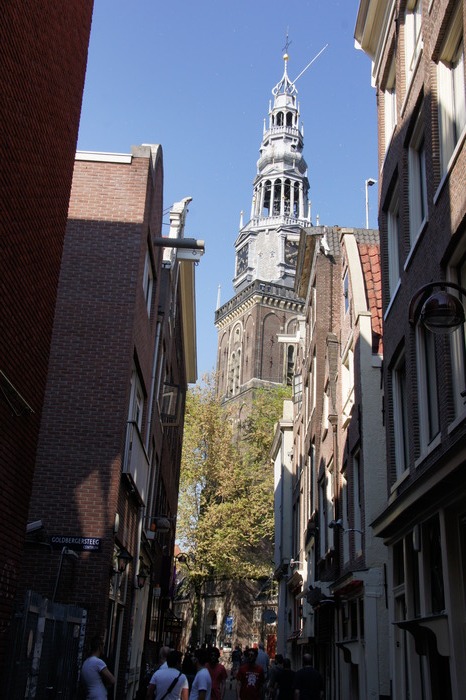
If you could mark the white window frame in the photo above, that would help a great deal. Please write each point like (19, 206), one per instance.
(400, 414)
(344, 512)
(412, 35)
(390, 106)
(357, 505)
(418, 211)
(346, 290)
(148, 282)
(330, 503)
(347, 384)
(451, 91)
(136, 401)
(429, 417)
(393, 240)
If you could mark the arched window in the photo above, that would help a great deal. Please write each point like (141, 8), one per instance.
(231, 375)
(296, 200)
(287, 197)
(267, 195)
(280, 119)
(289, 118)
(277, 197)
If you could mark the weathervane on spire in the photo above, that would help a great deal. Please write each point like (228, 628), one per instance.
(287, 43)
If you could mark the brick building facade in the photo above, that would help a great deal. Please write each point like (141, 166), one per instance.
(43, 52)
(418, 69)
(329, 566)
(108, 459)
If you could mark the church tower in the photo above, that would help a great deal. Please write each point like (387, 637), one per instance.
(257, 328)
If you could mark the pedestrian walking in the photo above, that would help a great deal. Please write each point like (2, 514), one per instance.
(250, 678)
(95, 676)
(169, 682)
(308, 683)
(188, 666)
(263, 660)
(201, 688)
(285, 682)
(275, 670)
(218, 674)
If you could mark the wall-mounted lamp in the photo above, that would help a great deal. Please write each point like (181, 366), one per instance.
(338, 525)
(441, 311)
(123, 558)
(160, 524)
(294, 563)
(141, 577)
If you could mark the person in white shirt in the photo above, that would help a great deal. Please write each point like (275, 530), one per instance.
(95, 676)
(168, 682)
(202, 683)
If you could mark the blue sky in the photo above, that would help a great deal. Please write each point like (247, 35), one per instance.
(196, 77)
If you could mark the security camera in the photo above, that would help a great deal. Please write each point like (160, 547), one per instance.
(34, 526)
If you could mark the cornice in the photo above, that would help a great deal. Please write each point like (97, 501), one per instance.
(258, 294)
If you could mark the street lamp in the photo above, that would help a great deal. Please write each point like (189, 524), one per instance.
(369, 182)
(183, 558)
(441, 311)
(338, 525)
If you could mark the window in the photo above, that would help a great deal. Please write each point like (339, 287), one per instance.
(390, 106)
(344, 512)
(298, 390)
(417, 181)
(148, 282)
(347, 385)
(357, 505)
(429, 425)
(290, 363)
(325, 410)
(393, 237)
(458, 347)
(413, 41)
(346, 291)
(322, 518)
(330, 504)
(451, 94)
(400, 414)
(136, 403)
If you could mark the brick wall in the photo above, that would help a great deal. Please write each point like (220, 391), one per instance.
(101, 327)
(43, 52)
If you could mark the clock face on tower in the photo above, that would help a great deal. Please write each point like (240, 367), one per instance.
(291, 252)
(242, 259)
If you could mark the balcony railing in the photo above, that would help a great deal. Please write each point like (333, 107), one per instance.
(136, 463)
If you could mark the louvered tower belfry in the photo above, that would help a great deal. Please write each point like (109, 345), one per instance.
(257, 328)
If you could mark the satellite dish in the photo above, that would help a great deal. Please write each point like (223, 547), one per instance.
(269, 616)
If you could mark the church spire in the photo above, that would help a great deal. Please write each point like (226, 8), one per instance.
(266, 246)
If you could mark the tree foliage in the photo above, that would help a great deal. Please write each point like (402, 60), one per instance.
(225, 511)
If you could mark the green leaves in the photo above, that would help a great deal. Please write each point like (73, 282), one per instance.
(225, 511)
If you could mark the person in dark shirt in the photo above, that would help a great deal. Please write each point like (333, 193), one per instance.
(308, 683)
(285, 682)
(250, 678)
